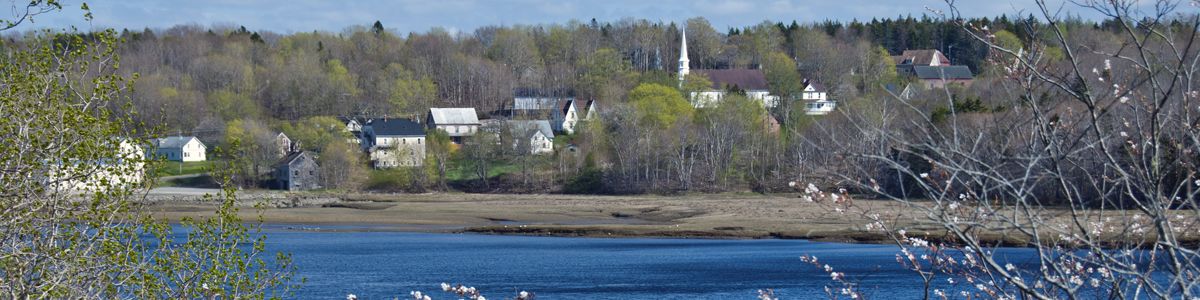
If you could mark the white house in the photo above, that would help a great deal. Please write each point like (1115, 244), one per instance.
(283, 144)
(537, 133)
(354, 126)
(125, 169)
(816, 99)
(180, 148)
(589, 111)
(457, 122)
(395, 143)
(752, 81)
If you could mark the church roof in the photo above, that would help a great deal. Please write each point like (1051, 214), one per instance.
(943, 72)
(746, 79)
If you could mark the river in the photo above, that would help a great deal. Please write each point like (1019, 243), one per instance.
(387, 265)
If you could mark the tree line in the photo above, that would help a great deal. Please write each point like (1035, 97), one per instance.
(226, 83)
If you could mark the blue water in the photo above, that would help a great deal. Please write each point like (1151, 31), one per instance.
(384, 265)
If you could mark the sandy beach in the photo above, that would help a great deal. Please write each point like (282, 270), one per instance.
(698, 216)
(683, 216)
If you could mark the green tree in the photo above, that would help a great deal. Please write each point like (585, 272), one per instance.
(230, 105)
(1008, 40)
(438, 151)
(659, 106)
(316, 133)
(694, 83)
(342, 166)
(604, 71)
(74, 230)
(409, 95)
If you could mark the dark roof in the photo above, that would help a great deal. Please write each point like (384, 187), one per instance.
(943, 72)
(565, 105)
(287, 160)
(403, 127)
(746, 79)
(817, 86)
(588, 108)
(920, 57)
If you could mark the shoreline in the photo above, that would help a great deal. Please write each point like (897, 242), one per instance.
(706, 216)
(702, 216)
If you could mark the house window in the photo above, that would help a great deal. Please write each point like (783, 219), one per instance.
(296, 173)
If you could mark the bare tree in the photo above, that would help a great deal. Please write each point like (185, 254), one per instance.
(1095, 168)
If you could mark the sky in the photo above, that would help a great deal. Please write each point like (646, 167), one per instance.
(403, 16)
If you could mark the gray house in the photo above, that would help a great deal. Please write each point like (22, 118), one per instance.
(297, 172)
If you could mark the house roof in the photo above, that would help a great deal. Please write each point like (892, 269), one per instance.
(817, 86)
(565, 105)
(591, 105)
(538, 103)
(922, 57)
(943, 72)
(291, 157)
(529, 125)
(398, 127)
(175, 141)
(746, 79)
(456, 115)
(529, 92)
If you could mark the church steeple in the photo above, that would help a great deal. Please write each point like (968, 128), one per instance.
(683, 57)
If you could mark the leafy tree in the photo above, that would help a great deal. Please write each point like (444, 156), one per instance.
(694, 83)
(409, 95)
(604, 70)
(341, 166)
(438, 152)
(70, 223)
(316, 133)
(659, 106)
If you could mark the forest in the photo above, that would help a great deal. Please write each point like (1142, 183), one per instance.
(227, 83)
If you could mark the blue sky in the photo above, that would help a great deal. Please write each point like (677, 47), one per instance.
(404, 16)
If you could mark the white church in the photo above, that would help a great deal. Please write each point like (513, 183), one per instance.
(753, 82)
